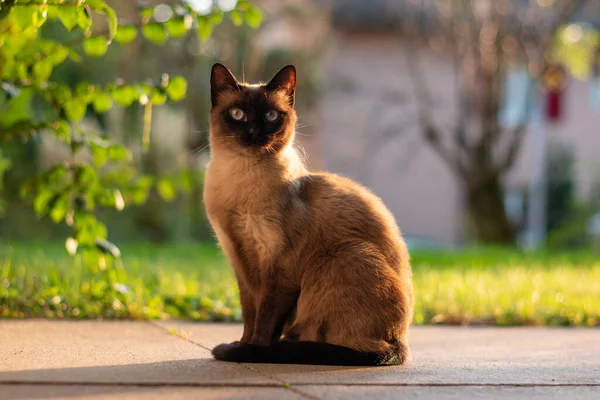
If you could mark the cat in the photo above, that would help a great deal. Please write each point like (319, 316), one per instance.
(323, 272)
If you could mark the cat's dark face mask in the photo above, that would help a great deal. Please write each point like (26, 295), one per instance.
(259, 117)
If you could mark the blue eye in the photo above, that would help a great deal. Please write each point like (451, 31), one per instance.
(236, 114)
(271, 115)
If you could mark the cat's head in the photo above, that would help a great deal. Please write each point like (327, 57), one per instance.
(252, 118)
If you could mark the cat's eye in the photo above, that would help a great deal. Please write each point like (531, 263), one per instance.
(236, 114)
(271, 115)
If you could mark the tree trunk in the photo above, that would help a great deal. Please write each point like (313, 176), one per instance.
(487, 213)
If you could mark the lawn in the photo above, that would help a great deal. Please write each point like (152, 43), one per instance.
(191, 281)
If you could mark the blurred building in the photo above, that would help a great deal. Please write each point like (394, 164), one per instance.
(369, 129)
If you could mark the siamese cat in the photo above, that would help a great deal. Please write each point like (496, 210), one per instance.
(323, 272)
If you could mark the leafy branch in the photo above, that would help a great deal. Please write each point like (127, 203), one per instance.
(33, 105)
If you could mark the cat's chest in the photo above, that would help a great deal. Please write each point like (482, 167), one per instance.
(260, 235)
(246, 213)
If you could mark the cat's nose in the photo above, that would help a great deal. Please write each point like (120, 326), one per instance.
(253, 131)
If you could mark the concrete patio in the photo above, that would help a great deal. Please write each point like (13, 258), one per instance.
(171, 360)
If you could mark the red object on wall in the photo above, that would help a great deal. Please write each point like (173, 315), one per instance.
(555, 81)
(554, 107)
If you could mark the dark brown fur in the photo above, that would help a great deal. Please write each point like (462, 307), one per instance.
(318, 257)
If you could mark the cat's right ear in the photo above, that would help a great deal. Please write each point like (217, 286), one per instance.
(221, 79)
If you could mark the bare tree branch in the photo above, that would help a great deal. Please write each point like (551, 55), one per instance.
(512, 151)
(424, 106)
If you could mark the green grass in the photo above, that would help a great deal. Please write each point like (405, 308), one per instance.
(478, 286)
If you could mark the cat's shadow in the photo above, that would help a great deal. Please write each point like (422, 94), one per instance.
(139, 378)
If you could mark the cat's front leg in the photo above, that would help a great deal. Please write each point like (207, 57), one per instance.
(248, 302)
(275, 304)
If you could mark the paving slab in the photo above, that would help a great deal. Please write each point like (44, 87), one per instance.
(109, 352)
(450, 355)
(451, 392)
(171, 360)
(74, 392)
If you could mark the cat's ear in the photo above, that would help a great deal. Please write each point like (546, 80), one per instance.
(221, 79)
(284, 80)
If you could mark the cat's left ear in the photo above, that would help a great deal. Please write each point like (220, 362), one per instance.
(284, 80)
(221, 79)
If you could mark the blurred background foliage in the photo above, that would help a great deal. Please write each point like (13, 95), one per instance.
(135, 56)
(65, 64)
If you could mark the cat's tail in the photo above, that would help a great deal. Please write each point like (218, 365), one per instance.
(313, 353)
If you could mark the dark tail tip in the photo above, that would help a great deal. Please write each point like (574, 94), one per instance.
(310, 353)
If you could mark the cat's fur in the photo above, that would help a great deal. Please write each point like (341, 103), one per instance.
(318, 257)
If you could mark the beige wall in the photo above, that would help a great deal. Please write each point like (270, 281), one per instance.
(368, 96)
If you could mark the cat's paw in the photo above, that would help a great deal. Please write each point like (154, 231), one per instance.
(241, 352)
(224, 351)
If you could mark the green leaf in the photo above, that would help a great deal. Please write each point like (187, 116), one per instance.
(18, 108)
(62, 130)
(155, 32)
(100, 230)
(75, 109)
(58, 55)
(60, 92)
(176, 27)
(40, 16)
(9, 67)
(106, 198)
(55, 175)
(216, 17)
(141, 190)
(118, 153)
(205, 28)
(60, 208)
(243, 4)
(84, 21)
(42, 70)
(166, 189)
(85, 92)
(68, 16)
(102, 102)
(99, 153)
(84, 222)
(41, 201)
(253, 16)
(236, 17)
(158, 96)
(95, 46)
(73, 55)
(112, 198)
(125, 34)
(88, 229)
(23, 16)
(125, 95)
(177, 88)
(22, 71)
(85, 176)
(146, 12)
(112, 23)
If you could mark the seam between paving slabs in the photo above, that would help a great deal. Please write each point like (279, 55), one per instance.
(390, 384)
(285, 385)
(268, 385)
